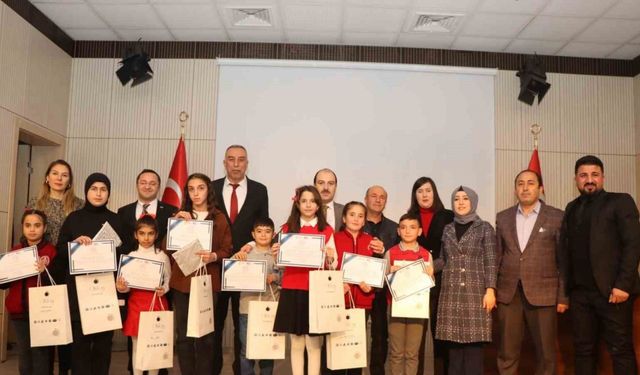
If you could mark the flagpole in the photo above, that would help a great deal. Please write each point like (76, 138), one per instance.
(184, 116)
(535, 130)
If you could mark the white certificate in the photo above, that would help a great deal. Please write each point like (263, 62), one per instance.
(182, 232)
(409, 280)
(358, 268)
(18, 264)
(301, 250)
(107, 233)
(244, 275)
(141, 273)
(187, 258)
(100, 256)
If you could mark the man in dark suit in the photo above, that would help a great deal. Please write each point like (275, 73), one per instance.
(242, 201)
(148, 185)
(326, 181)
(600, 251)
(529, 287)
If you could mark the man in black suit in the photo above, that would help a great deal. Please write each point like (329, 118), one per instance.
(242, 201)
(148, 185)
(600, 251)
(326, 181)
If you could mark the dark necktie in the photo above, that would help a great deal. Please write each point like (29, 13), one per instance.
(144, 209)
(233, 210)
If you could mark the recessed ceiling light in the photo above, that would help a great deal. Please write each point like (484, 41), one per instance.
(251, 17)
(435, 23)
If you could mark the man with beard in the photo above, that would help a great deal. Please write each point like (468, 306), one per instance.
(326, 182)
(599, 253)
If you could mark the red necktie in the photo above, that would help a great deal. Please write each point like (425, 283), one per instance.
(233, 211)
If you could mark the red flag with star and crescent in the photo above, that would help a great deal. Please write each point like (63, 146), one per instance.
(177, 177)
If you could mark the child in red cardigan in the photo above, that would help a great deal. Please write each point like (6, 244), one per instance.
(30, 360)
(405, 334)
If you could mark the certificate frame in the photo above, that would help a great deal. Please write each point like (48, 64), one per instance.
(31, 249)
(173, 222)
(126, 259)
(72, 247)
(348, 257)
(389, 278)
(285, 237)
(229, 263)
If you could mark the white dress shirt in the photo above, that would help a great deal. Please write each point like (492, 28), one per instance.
(241, 193)
(525, 223)
(331, 215)
(152, 209)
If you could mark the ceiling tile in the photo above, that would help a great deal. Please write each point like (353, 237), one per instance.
(117, 1)
(511, 6)
(314, 37)
(172, 1)
(496, 25)
(391, 3)
(425, 40)
(541, 47)
(373, 19)
(636, 40)
(581, 49)
(312, 17)
(189, 16)
(625, 9)
(200, 35)
(446, 5)
(580, 8)
(71, 15)
(610, 30)
(55, 1)
(91, 34)
(369, 39)
(273, 36)
(626, 52)
(471, 43)
(145, 34)
(554, 28)
(138, 16)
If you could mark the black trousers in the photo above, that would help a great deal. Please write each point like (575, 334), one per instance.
(221, 308)
(593, 317)
(379, 333)
(466, 359)
(194, 354)
(91, 353)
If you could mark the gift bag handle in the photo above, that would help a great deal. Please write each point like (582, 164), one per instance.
(39, 282)
(273, 296)
(353, 303)
(153, 301)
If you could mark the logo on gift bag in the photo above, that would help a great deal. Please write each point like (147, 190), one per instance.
(110, 317)
(275, 347)
(56, 332)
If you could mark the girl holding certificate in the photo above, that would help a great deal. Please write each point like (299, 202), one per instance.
(293, 307)
(199, 203)
(33, 361)
(146, 232)
(468, 265)
(91, 354)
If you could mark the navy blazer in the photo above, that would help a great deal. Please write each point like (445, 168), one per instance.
(128, 218)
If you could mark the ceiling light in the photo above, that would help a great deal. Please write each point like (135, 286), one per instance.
(135, 66)
(533, 80)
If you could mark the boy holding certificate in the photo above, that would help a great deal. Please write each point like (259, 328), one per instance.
(262, 234)
(405, 334)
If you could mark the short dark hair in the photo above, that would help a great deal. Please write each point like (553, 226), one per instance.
(588, 160)
(148, 171)
(263, 222)
(147, 221)
(315, 177)
(409, 216)
(515, 181)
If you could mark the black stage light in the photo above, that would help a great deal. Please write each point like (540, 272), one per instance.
(533, 80)
(135, 66)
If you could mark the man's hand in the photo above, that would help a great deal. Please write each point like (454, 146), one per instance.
(561, 308)
(618, 296)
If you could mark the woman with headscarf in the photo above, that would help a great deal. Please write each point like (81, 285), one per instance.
(467, 296)
(91, 354)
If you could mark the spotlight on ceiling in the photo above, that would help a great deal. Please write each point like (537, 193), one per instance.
(135, 66)
(533, 80)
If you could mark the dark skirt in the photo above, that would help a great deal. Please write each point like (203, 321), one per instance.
(293, 312)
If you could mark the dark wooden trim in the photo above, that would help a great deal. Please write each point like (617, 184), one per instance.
(43, 24)
(285, 51)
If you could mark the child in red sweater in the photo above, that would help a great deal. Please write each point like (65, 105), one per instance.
(30, 360)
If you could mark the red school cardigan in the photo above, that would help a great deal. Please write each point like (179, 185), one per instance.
(345, 243)
(298, 277)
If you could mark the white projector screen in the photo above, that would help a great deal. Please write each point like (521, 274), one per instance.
(383, 124)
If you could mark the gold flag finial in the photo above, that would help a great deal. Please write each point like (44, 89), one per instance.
(535, 130)
(184, 116)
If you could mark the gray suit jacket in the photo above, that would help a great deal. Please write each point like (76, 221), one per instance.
(537, 266)
(338, 208)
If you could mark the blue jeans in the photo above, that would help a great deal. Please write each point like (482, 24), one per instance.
(246, 365)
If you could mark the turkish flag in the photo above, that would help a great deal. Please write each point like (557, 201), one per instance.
(177, 177)
(534, 163)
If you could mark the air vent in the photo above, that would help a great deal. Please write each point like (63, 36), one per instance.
(436, 23)
(251, 17)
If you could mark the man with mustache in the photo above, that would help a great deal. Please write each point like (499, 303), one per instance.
(326, 182)
(599, 255)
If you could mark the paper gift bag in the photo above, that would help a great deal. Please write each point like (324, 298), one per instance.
(200, 314)
(326, 302)
(348, 349)
(154, 349)
(414, 306)
(262, 342)
(49, 318)
(98, 303)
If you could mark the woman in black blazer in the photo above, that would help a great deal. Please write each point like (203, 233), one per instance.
(426, 203)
